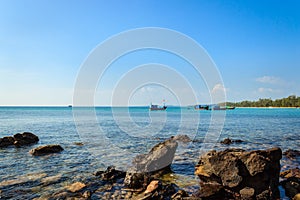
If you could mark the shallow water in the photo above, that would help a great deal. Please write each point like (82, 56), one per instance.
(116, 135)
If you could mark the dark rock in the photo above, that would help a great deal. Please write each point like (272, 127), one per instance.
(25, 138)
(110, 174)
(291, 154)
(179, 195)
(229, 141)
(159, 157)
(182, 138)
(291, 184)
(6, 141)
(146, 166)
(19, 139)
(235, 173)
(47, 149)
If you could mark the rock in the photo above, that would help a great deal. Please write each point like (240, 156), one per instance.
(19, 139)
(146, 166)
(25, 138)
(110, 174)
(229, 141)
(6, 141)
(75, 187)
(297, 197)
(152, 186)
(291, 154)
(291, 184)
(182, 138)
(179, 195)
(290, 173)
(234, 173)
(47, 149)
(159, 157)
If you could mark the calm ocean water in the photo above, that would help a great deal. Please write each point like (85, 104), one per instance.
(118, 134)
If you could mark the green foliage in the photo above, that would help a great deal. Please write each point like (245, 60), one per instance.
(291, 101)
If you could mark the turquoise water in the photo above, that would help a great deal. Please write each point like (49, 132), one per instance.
(116, 135)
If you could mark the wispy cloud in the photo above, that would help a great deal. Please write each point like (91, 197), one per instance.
(269, 79)
(267, 90)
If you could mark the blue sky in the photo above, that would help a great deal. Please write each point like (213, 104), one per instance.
(254, 44)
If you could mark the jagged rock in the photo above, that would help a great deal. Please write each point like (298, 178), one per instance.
(25, 138)
(6, 141)
(179, 195)
(47, 149)
(229, 141)
(159, 157)
(291, 154)
(291, 184)
(157, 161)
(297, 197)
(152, 186)
(110, 174)
(234, 173)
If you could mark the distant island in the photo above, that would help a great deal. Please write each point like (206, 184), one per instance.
(290, 101)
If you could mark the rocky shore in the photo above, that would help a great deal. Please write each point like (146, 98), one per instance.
(229, 174)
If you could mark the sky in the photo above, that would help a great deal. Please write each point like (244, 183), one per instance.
(255, 46)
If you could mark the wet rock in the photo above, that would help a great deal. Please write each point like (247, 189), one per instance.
(47, 149)
(75, 187)
(146, 166)
(25, 138)
(179, 195)
(234, 173)
(110, 174)
(6, 141)
(182, 138)
(19, 139)
(229, 141)
(159, 157)
(291, 154)
(78, 143)
(291, 184)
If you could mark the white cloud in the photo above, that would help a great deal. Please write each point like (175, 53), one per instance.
(218, 88)
(269, 80)
(218, 93)
(267, 90)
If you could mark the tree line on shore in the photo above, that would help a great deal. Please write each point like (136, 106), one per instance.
(290, 101)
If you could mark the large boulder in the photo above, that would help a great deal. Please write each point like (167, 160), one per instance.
(158, 160)
(25, 138)
(237, 174)
(47, 149)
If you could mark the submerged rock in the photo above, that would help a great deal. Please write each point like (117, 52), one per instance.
(75, 187)
(182, 138)
(235, 173)
(47, 149)
(19, 139)
(291, 154)
(230, 141)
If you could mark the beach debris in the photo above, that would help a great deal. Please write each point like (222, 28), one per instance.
(236, 174)
(47, 149)
(19, 139)
(230, 141)
(291, 154)
(291, 184)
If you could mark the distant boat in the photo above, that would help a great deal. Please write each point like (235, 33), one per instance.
(70, 106)
(213, 107)
(156, 107)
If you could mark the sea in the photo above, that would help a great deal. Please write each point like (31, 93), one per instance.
(95, 138)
